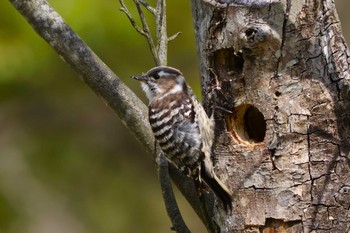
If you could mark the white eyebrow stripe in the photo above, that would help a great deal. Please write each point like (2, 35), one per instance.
(163, 73)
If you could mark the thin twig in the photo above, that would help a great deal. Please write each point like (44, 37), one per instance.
(187, 187)
(169, 198)
(148, 33)
(162, 36)
(173, 37)
(131, 19)
(148, 7)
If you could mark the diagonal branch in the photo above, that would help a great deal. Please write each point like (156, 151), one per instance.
(159, 53)
(147, 32)
(144, 31)
(124, 9)
(169, 198)
(148, 7)
(71, 48)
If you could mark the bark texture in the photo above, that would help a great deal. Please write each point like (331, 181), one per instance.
(282, 67)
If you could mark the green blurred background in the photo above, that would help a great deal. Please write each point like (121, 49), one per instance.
(67, 164)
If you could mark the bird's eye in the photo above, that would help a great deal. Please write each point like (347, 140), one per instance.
(156, 76)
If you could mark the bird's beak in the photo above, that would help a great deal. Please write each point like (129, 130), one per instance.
(142, 78)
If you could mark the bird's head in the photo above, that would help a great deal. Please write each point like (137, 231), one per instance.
(160, 81)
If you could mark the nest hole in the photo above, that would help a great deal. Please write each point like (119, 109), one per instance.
(227, 62)
(247, 124)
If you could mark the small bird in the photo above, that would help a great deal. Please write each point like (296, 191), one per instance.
(182, 128)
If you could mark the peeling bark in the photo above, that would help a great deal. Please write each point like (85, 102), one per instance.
(282, 67)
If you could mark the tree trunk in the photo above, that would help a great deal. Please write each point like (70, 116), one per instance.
(282, 68)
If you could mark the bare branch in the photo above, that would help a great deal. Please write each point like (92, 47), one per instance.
(131, 19)
(148, 7)
(52, 28)
(159, 53)
(173, 37)
(144, 31)
(147, 32)
(162, 36)
(188, 189)
(130, 109)
(169, 198)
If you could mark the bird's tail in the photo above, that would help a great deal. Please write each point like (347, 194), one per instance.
(215, 184)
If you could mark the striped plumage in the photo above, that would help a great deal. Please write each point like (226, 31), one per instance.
(181, 127)
(175, 128)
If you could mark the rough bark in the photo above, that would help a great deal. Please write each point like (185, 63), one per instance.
(282, 67)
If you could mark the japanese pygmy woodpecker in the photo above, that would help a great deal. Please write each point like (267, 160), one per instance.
(181, 127)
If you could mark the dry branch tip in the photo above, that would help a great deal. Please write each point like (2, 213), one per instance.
(173, 37)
